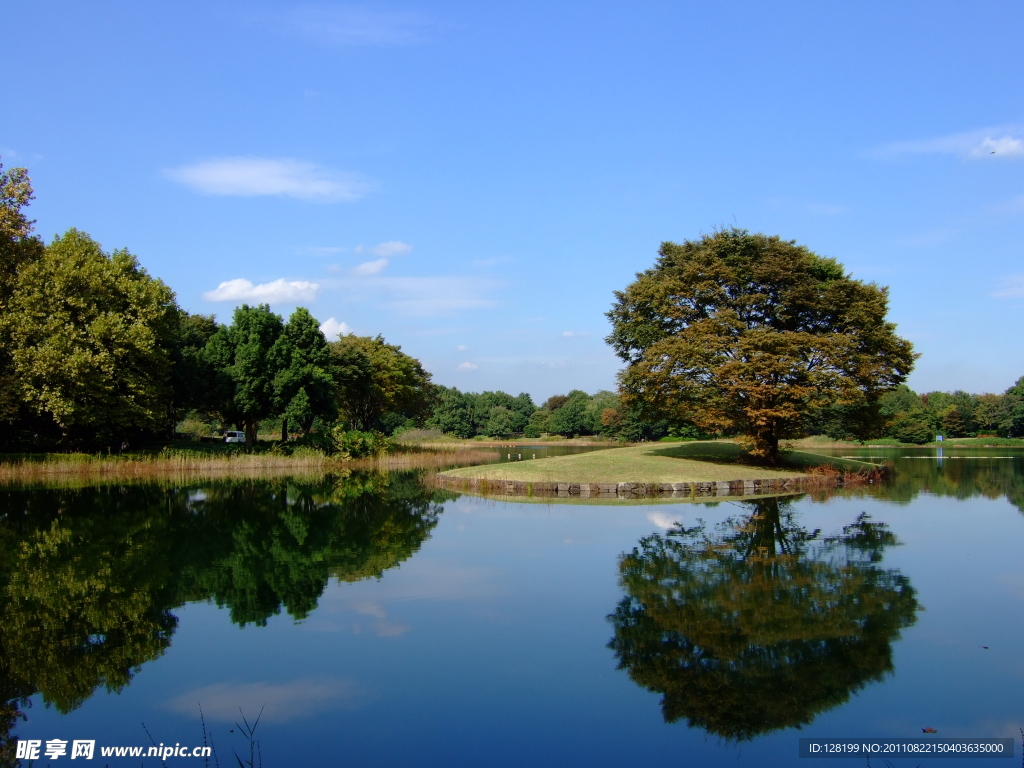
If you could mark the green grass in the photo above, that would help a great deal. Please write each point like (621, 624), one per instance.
(654, 463)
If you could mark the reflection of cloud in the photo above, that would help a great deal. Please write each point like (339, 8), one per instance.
(971, 145)
(467, 366)
(262, 176)
(347, 26)
(284, 701)
(332, 329)
(392, 248)
(1012, 287)
(272, 293)
(662, 520)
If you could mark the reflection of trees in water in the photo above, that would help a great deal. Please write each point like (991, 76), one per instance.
(960, 478)
(761, 625)
(88, 577)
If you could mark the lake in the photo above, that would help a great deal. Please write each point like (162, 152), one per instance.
(377, 621)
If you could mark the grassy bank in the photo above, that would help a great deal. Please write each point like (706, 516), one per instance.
(656, 463)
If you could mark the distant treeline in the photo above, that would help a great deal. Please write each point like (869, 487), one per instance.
(912, 418)
(498, 414)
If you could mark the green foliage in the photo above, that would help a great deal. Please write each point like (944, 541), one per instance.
(303, 381)
(90, 338)
(243, 357)
(353, 444)
(753, 334)
(373, 378)
(695, 625)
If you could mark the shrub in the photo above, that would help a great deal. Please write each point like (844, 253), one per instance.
(531, 431)
(353, 444)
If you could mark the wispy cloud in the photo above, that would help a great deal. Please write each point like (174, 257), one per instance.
(264, 176)
(461, 348)
(281, 701)
(392, 248)
(467, 366)
(575, 334)
(323, 250)
(371, 267)
(419, 296)
(277, 292)
(985, 143)
(332, 329)
(1011, 287)
(351, 25)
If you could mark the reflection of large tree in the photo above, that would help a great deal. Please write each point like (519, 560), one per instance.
(762, 625)
(88, 577)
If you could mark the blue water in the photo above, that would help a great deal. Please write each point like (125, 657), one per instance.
(489, 643)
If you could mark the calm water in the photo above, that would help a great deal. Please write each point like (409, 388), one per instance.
(380, 623)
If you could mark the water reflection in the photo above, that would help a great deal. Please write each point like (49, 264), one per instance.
(761, 624)
(88, 577)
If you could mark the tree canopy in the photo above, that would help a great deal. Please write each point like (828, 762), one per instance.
(762, 625)
(757, 335)
(90, 335)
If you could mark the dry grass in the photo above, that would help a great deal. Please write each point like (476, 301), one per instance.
(82, 469)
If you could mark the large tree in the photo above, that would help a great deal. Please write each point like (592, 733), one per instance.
(90, 335)
(375, 378)
(240, 354)
(757, 335)
(303, 382)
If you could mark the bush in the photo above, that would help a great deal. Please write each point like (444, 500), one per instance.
(531, 431)
(352, 444)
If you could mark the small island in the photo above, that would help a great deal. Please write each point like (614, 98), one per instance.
(692, 469)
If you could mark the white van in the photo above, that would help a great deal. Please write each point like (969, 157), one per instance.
(234, 437)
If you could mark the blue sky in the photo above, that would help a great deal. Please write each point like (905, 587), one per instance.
(474, 180)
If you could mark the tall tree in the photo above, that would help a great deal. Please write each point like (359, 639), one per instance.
(757, 335)
(18, 246)
(90, 338)
(240, 353)
(303, 384)
(375, 378)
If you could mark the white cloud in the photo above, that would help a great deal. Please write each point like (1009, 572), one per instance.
(276, 292)
(370, 267)
(344, 26)
(283, 701)
(461, 348)
(575, 334)
(974, 145)
(419, 296)
(1012, 287)
(392, 248)
(332, 329)
(662, 520)
(467, 366)
(263, 176)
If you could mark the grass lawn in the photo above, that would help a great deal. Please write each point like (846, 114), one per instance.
(652, 463)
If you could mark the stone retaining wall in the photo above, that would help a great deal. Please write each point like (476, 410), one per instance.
(632, 490)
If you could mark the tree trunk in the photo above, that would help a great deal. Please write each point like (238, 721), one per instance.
(284, 429)
(250, 426)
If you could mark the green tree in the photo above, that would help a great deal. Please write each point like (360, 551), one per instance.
(192, 376)
(244, 391)
(572, 417)
(502, 422)
(1012, 416)
(374, 378)
(450, 413)
(18, 247)
(303, 382)
(762, 625)
(752, 334)
(90, 338)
